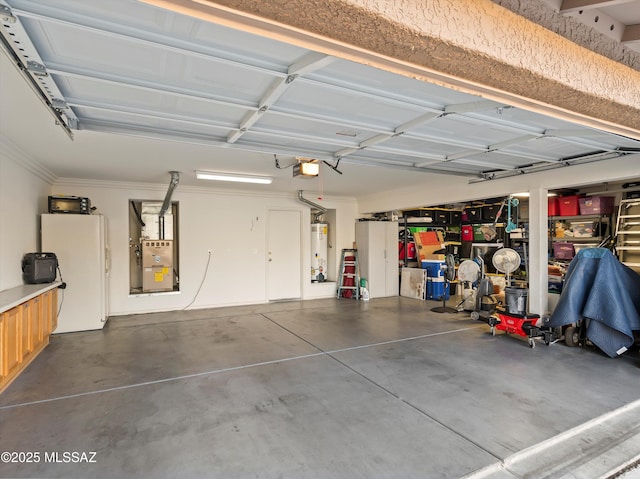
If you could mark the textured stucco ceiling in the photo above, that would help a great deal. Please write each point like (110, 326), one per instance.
(588, 26)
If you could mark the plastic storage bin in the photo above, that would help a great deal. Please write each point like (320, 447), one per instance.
(583, 229)
(441, 216)
(569, 205)
(473, 214)
(467, 233)
(489, 212)
(419, 213)
(563, 250)
(553, 209)
(596, 205)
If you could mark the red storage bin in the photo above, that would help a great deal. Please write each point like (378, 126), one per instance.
(410, 252)
(553, 206)
(569, 205)
(596, 205)
(467, 233)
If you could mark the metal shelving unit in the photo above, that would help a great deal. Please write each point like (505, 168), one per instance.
(602, 225)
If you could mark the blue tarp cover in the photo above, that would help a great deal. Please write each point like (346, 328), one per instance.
(605, 292)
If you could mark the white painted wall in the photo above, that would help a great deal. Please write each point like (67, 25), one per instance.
(231, 223)
(23, 194)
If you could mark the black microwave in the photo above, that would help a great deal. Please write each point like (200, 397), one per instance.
(69, 204)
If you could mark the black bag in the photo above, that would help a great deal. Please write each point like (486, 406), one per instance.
(39, 268)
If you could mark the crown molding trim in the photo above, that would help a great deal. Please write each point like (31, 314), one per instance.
(13, 153)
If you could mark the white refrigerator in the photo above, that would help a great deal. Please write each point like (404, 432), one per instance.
(80, 244)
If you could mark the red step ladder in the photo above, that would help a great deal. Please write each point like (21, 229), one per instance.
(349, 277)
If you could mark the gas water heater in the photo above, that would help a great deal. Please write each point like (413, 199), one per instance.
(319, 251)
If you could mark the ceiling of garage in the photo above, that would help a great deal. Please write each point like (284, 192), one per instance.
(235, 102)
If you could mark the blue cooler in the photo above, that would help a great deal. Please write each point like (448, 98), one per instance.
(435, 268)
(436, 289)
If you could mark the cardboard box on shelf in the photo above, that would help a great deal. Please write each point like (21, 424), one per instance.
(428, 242)
(435, 257)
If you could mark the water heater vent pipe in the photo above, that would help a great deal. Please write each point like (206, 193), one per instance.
(175, 178)
(320, 210)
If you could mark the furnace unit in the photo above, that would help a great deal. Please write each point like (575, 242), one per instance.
(157, 265)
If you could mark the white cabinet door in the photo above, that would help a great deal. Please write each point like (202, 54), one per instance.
(392, 272)
(377, 243)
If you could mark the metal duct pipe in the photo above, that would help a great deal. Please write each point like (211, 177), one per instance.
(175, 178)
(320, 210)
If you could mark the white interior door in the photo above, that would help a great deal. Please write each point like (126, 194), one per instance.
(283, 255)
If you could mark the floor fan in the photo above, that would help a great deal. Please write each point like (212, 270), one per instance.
(468, 275)
(449, 273)
(506, 260)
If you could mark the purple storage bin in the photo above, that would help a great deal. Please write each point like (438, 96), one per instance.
(596, 205)
(563, 250)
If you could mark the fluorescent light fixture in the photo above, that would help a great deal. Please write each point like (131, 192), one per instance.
(215, 176)
(525, 194)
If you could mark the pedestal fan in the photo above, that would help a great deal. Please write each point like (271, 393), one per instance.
(468, 274)
(506, 260)
(449, 273)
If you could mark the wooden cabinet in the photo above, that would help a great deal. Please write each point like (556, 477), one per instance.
(11, 325)
(50, 307)
(25, 328)
(36, 319)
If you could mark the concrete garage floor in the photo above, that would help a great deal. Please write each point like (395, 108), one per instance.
(319, 389)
